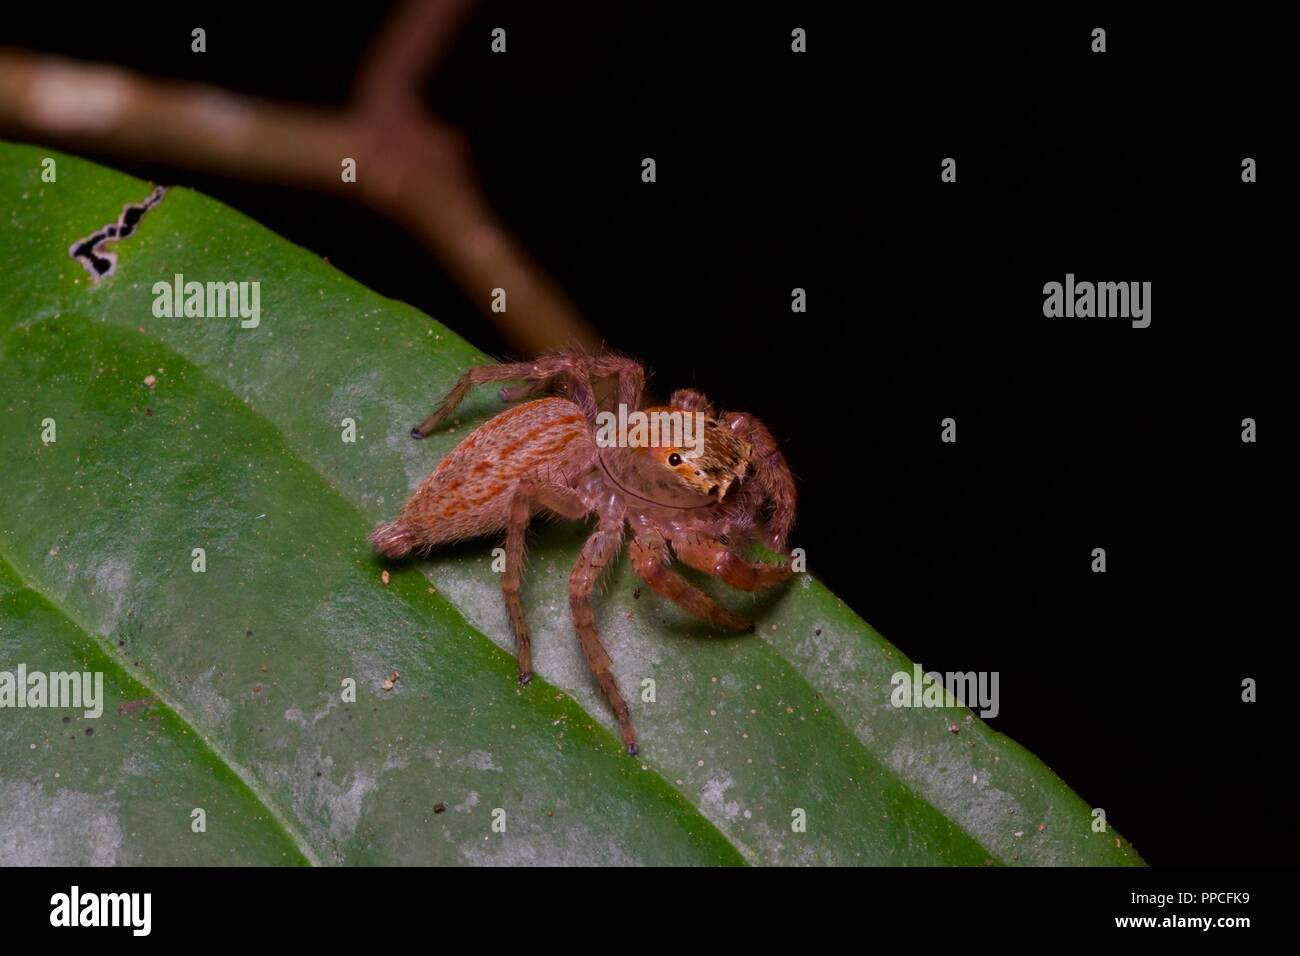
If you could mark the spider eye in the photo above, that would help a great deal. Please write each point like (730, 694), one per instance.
(674, 459)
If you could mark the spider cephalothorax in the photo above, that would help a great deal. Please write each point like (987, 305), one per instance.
(676, 474)
(694, 495)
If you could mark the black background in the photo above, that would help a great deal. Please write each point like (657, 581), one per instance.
(821, 171)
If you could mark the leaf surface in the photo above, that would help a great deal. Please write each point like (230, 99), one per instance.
(777, 747)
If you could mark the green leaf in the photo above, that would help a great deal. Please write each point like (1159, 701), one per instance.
(237, 449)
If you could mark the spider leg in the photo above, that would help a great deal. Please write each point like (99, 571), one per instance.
(713, 557)
(527, 390)
(629, 372)
(478, 375)
(601, 548)
(771, 472)
(575, 375)
(561, 500)
(653, 564)
(691, 400)
(576, 370)
(520, 508)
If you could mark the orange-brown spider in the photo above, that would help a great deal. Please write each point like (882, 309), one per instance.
(701, 501)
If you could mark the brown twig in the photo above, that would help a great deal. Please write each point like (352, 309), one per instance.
(411, 165)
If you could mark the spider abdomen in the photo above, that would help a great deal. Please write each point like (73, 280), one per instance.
(469, 493)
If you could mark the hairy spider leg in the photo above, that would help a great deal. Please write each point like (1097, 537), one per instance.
(563, 501)
(601, 548)
(653, 565)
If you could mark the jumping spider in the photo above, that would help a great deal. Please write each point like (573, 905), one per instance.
(545, 454)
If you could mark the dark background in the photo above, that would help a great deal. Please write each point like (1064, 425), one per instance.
(821, 171)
